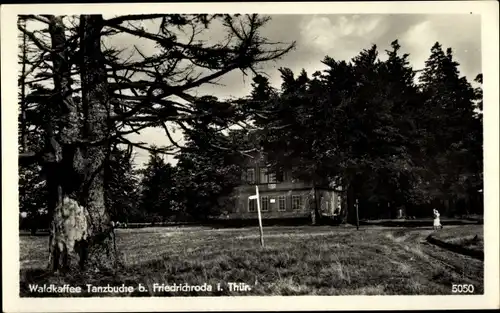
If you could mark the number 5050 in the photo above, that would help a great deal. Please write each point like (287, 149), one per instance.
(462, 288)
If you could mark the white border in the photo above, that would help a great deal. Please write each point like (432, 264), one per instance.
(490, 56)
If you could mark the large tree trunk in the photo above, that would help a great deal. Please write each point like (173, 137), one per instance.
(97, 127)
(81, 227)
(60, 132)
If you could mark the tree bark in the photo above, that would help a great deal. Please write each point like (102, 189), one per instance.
(95, 104)
(57, 162)
(80, 227)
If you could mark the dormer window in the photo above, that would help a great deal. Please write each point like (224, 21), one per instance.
(263, 176)
(267, 176)
(271, 178)
(248, 176)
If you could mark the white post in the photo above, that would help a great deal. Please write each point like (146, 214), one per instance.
(256, 196)
(259, 216)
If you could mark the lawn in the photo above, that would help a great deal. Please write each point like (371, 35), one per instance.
(468, 237)
(303, 260)
(467, 241)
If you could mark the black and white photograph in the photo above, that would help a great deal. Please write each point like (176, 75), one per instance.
(252, 151)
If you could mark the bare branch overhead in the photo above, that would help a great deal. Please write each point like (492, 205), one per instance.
(141, 85)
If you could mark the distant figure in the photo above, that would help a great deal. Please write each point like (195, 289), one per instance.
(400, 213)
(437, 222)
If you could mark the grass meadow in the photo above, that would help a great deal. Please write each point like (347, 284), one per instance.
(468, 237)
(300, 260)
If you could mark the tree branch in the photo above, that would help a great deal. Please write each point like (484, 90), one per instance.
(132, 17)
(38, 18)
(168, 41)
(35, 40)
(144, 147)
(167, 132)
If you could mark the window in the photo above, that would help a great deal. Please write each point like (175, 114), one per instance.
(264, 204)
(296, 202)
(327, 206)
(338, 205)
(281, 203)
(250, 176)
(263, 176)
(271, 178)
(268, 177)
(252, 205)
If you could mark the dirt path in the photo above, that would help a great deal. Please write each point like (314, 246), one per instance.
(447, 267)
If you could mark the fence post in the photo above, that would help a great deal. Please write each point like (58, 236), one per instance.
(357, 214)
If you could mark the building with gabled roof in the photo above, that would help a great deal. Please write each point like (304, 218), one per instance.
(281, 195)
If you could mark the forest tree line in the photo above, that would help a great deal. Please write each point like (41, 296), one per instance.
(367, 124)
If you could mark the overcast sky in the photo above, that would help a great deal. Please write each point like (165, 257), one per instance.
(342, 37)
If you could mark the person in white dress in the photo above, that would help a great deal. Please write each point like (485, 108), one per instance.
(437, 221)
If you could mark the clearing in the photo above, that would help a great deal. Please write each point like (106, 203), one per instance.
(300, 260)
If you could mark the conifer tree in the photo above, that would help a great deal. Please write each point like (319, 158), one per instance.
(452, 128)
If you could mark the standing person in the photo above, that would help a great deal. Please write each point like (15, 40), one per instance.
(437, 221)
